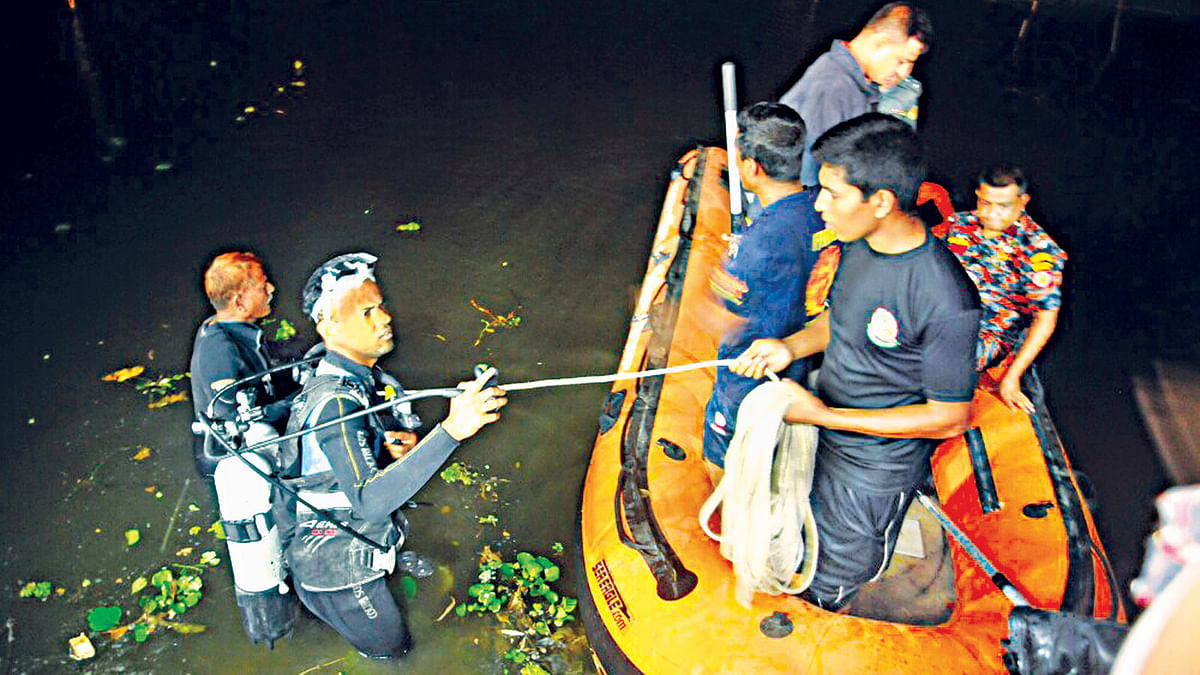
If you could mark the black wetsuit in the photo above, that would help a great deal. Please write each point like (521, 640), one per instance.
(347, 469)
(223, 352)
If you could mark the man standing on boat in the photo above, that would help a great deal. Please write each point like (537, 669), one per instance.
(766, 266)
(229, 347)
(362, 469)
(899, 342)
(845, 82)
(1018, 269)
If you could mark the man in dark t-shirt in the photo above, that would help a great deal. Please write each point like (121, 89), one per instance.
(899, 340)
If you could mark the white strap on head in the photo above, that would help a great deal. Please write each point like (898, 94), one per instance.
(348, 274)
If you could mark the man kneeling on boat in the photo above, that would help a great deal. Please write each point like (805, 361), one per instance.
(899, 344)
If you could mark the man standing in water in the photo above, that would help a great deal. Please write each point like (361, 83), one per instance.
(363, 469)
(1019, 272)
(845, 82)
(229, 347)
(767, 266)
(898, 338)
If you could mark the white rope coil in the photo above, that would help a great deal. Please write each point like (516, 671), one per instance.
(767, 526)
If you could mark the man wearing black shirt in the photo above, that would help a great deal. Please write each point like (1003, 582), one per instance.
(898, 339)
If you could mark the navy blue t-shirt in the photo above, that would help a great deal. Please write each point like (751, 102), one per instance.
(764, 276)
(902, 332)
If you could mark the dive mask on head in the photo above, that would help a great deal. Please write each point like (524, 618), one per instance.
(339, 275)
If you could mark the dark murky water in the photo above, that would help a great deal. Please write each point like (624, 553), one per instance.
(531, 142)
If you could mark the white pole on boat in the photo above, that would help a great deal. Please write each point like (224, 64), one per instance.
(729, 91)
(1002, 582)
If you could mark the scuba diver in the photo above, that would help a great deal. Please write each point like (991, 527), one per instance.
(359, 471)
(229, 347)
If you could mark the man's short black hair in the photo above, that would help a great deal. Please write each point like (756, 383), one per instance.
(876, 152)
(772, 134)
(910, 19)
(1003, 175)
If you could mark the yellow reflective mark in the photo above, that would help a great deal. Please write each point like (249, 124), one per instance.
(221, 384)
(349, 449)
(823, 238)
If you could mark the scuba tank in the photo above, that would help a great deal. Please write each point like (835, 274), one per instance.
(255, 551)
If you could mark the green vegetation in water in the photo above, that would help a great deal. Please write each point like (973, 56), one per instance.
(519, 594)
(284, 332)
(460, 472)
(168, 595)
(39, 590)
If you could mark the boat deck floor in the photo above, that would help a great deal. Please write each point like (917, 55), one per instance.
(918, 586)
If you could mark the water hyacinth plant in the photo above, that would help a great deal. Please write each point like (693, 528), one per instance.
(519, 594)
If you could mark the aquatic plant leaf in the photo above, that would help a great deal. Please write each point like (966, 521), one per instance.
(533, 669)
(461, 610)
(103, 618)
(141, 631)
(36, 589)
(137, 585)
(494, 605)
(167, 400)
(132, 536)
(179, 607)
(149, 603)
(217, 529)
(185, 551)
(187, 628)
(124, 374)
(410, 226)
(557, 547)
(410, 587)
(210, 558)
(286, 331)
(162, 579)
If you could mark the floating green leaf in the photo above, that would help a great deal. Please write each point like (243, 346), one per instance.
(286, 331)
(104, 618)
(132, 536)
(37, 589)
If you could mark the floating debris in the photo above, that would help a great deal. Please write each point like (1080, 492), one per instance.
(411, 227)
(124, 374)
(62, 228)
(132, 537)
(163, 167)
(142, 454)
(81, 648)
(492, 321)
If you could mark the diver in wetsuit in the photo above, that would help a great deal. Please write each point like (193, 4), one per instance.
(229, 347)
(363, 469)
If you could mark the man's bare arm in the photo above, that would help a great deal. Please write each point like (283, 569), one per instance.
(932, 419)
(1044, 322)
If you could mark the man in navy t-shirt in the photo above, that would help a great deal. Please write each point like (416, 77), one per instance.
(766, 268)
(899, 341)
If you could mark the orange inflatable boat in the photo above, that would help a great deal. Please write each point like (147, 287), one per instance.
(656, 595)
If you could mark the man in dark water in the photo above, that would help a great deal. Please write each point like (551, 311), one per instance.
(766, 266)
(845, 82)
(899, 342)
(363, 469)
(229, 347)
(1018, 269)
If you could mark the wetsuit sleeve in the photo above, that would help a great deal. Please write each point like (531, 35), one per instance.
(351, 448)
(948, 357)
(219, 362)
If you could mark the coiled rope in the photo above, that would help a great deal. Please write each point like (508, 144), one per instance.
(767, 526)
